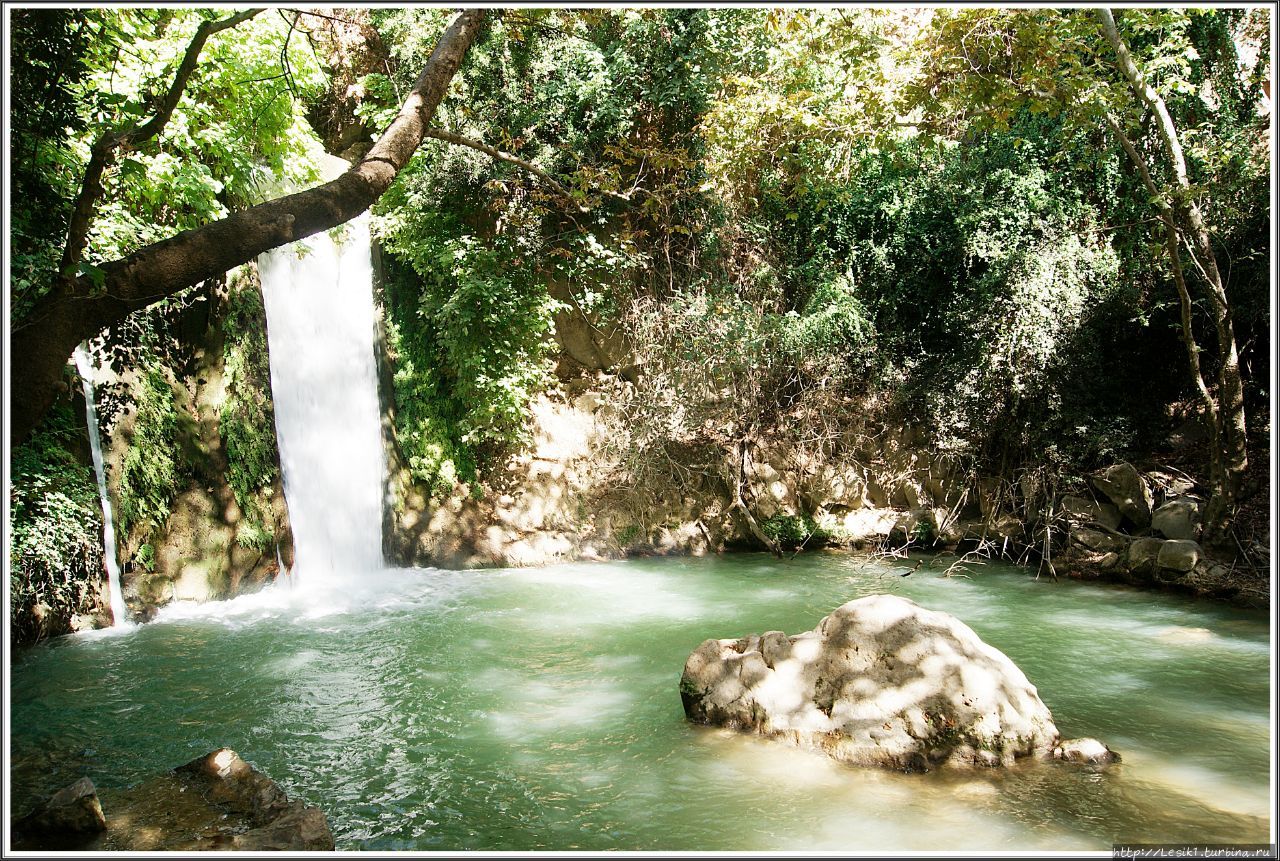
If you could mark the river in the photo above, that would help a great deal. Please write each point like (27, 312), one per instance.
(539, 709)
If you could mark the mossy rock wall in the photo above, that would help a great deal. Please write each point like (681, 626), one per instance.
(214, 522)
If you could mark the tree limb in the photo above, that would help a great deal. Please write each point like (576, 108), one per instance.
(1184, 296)
(103, 151)
(1231, 424)
(78, 308)
(495, 153)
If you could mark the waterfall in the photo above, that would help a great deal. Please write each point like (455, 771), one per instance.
(108, 523)
(318, 294)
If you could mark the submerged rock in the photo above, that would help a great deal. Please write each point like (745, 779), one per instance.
(1085, 750)
(1182, 634)
(71, 814)
(216, 802)
(880, 682)
(302, 829)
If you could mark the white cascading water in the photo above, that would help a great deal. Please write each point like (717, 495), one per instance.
(320, 326)
(85, 368)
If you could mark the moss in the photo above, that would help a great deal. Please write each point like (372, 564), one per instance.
(153, 589)
(628, 534)
(218, 578)
(247, 420)
(150, 473)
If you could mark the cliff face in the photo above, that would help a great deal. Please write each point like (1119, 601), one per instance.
(551, 503)
(572, 496)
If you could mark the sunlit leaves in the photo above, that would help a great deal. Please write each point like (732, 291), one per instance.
(238, 123)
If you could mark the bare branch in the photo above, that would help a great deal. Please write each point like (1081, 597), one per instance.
(500, 155)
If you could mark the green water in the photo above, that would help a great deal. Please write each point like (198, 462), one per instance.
(538, 709)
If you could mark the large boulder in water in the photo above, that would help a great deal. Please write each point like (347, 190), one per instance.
(881, 681)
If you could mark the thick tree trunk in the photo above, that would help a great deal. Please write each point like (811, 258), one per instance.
(1229, 431)
(78, 308)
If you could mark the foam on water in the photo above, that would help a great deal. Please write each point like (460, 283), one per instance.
(382, 589)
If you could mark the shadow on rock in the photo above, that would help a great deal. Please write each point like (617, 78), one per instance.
(216, 802)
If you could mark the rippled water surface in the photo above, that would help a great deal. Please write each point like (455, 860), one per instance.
(539, 709)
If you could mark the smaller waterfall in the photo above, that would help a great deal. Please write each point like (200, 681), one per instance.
(108, 524)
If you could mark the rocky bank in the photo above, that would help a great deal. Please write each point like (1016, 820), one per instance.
(215, 802)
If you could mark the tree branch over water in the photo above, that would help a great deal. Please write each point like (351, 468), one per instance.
(80, 307)
(113, 140)
(500, 155)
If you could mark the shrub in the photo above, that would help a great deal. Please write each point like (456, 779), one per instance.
(55, 520)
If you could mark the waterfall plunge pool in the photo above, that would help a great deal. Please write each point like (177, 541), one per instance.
(538, 709)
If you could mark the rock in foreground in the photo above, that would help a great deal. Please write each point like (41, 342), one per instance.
(276, 823)
(880, 682)
(70, 817)
(216, 802)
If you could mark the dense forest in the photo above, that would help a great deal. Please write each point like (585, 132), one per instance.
(1039, 238)
(993, 225)
(682, 323)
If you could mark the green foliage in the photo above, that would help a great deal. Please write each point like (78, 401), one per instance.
(89, 72)
(924, 532)
(252, 535)
(49, 67)
(247, 420)
(985, 277)
(145, 557)
(833, 325)
(468, 333)
(152, 469)
(55, 524)
(792, 530)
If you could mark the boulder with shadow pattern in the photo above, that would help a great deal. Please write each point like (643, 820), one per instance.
(882, 682)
